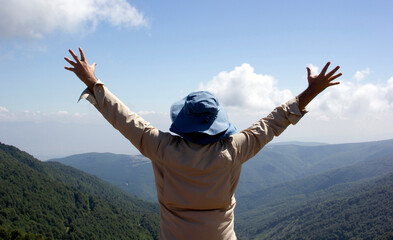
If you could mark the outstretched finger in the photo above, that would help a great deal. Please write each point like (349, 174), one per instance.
(323, 72)
(74, 56)
(69, 61)
(83, 58)
(70, 69)
(331, 73)
(333, 83)
(335, 76)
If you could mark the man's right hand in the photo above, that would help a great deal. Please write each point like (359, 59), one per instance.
(317, 83)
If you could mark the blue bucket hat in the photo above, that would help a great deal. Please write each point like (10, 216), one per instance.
(199, 118)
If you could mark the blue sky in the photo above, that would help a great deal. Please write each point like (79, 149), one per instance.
(251, 54)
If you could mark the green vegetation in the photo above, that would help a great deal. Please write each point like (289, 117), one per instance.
(349, 203)
(49, 201)
(363, 212)
(332, 192)
(17, 234)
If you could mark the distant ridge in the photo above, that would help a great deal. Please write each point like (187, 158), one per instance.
(273, 165)
(298, 143)
(59, 202)
(277, 164)
(133, 174)
(307, 186)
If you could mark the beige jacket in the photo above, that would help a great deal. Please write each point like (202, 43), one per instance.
(195, 183)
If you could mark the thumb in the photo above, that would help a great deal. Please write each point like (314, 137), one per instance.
(94, 66)
(308, 72)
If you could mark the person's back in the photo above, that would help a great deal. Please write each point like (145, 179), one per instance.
(196, 172)
(195, 189)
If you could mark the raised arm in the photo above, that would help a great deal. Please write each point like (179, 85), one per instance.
(317, 83)
(82, 69)
(146, 138)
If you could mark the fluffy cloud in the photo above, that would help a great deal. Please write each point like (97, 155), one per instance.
(3, 109)
(243, 89)
(35, 18)
(352, 111)
(360, 75)
(353, 100)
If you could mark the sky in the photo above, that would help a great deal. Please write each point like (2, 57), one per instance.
(252, 54)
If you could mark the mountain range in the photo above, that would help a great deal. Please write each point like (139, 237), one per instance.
(274, 164)
(287, 191)
(351, 202)
(286, 188)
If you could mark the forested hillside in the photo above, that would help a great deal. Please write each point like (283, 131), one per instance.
(49, 200)
(354, 202)
(351, 211)
(342, 191)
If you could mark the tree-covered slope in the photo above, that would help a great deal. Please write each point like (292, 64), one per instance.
(351, 211)
(60, 202)
(346, 203)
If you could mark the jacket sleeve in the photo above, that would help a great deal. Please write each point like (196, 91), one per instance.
(251, 140)
(139, 132)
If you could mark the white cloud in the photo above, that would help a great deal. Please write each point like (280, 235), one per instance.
(360, 75)
(351, 111)
(62, 113)
(242, 88)
(3, 109)
(35, 18)
(351, 100)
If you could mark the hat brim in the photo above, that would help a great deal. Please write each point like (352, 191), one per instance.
(201, 138)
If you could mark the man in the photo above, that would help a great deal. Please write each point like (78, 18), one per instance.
(196, 172)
